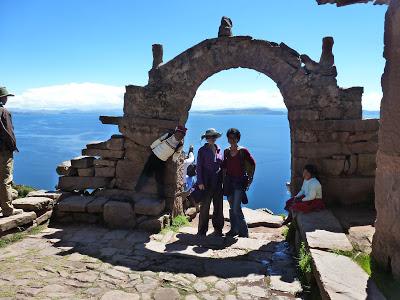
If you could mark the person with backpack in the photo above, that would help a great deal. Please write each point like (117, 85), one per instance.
(239, 167)
(209, 183)
(170, 144)
(8, 145)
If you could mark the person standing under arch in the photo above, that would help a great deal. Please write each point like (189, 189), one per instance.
(209, 181)
(239, 167)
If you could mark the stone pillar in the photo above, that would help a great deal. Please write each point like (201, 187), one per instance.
(386, 240)
(327, 59)
(157, 55)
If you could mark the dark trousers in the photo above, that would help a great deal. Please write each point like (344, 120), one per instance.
(216, 196)
(155, 166)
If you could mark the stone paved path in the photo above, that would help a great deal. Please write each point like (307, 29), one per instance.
(82, 262)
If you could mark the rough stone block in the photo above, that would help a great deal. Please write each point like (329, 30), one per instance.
(116, 194)
(8, 223)
(348, 190)
(303, 115)
(44, 217)
(115, 143)
(363, 147)
(104, 171)
(149, 207)
(68, 183)
(153, 225)
(363, 137)
(66, 169)
(334, 283)
(76, 203)
(119, 214)
(82, 162)
(321, 230)
(87, 172)
(96, 206)
(316, 150)
(104, 153)
(366, 164)
(333, 166)
(43, 193)
(105, 163)
(33, 203)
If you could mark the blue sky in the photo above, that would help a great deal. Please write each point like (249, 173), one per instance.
(71, 48)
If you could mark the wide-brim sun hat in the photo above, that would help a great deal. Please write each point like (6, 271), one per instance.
(4, 92)
(211, 132)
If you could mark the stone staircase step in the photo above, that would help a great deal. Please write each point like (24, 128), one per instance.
(72, 183)
(119, 214)
(97, 205)
(33, 203)
(321, 230)
(339, 277)
(8, 223)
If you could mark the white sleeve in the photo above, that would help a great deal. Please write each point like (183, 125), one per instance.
(188, 161)
(312, 194)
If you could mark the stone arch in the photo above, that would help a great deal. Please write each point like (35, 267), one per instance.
(326, 128)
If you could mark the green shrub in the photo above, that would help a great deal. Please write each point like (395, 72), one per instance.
(23, 190)
(304, 260)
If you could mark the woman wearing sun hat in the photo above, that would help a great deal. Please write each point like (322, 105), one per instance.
(209, 180)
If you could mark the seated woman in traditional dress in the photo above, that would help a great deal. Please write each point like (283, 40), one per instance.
(310, 196)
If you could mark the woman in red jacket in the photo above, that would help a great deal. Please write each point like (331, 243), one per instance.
(239, 167)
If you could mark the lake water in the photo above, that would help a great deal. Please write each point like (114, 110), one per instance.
(46, 139)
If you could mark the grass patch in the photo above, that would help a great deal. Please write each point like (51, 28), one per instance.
(289, 233)
(15, 237)
(176, 224)
(362, 259)
(23, 190)
(283, 216)
(304, 260)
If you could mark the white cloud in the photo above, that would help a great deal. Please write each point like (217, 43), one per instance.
(217, 99)
(372, 101)
(94, 96)
(81, 96)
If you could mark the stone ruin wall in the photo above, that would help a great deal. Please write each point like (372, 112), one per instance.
(325, 122)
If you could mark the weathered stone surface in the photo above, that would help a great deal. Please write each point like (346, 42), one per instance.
(104, 171)
(33, 203)
(348, 190)
(335, 283)
(166, 294)
(65, 169)
(8, 223)
(87, 172)
(149, 206)
(154, 224)
(82, 162)
(104, 153)
(96, 206)
(76, 203)
(105, 162)
(321, 230)
(119, 295)
(119, 214)
(43, 193)
(116, 194)
(68, 183)
(44, 217)
(366, 164)
(116, 142)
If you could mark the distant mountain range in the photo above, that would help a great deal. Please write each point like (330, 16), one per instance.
(244, 111)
